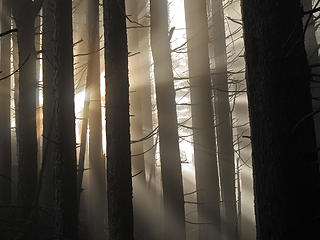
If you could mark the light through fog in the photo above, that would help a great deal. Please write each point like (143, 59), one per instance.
(144, 200)
(180, 69)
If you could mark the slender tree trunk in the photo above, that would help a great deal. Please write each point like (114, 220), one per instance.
(224, 123)
(27, 170)
(97, 186)
(285, 168)
(207, 181)
(5, 124)
(119, 182)
(65, 158)
(168, 130)
(47, 194)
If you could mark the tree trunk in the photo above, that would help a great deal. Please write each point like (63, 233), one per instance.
(97, 186)
(285, 168)
(5, 124)
(47, 193)
(27, 170)
(65, 158)
(167, 117)
(119, 182)
(224, 123)
(207, 181)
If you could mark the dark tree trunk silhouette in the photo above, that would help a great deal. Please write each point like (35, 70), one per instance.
(66, 204)
(24, 15)
(167, 118)
(47, 193)
(119, 182)
(224, 122)
(5, 124)
(96, 160)
(204, 139)
(285, 168)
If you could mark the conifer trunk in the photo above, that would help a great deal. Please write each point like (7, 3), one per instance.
(65, 165)
(224, 123)
(204, 138)
(47, 194)
(285, 168)
(173, 198)
(119, 182)
(26, 128)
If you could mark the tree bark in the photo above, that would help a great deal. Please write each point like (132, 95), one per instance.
(27, 144)
(66, 205)
(204, 139)
(5, 124)
(47, 193)
(224, 123)
(119, 182)
(167, 118)
(285, 168)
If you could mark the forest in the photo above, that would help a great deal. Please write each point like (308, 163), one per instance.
(159, 119)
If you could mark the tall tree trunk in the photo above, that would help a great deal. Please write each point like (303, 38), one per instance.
(168, 130)
(207, 181)
(119, 182)
(285, 168)
(5, 124)
(97, 186)
(24, 15)
(224, 123)
(65, 157)
(47, 194)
